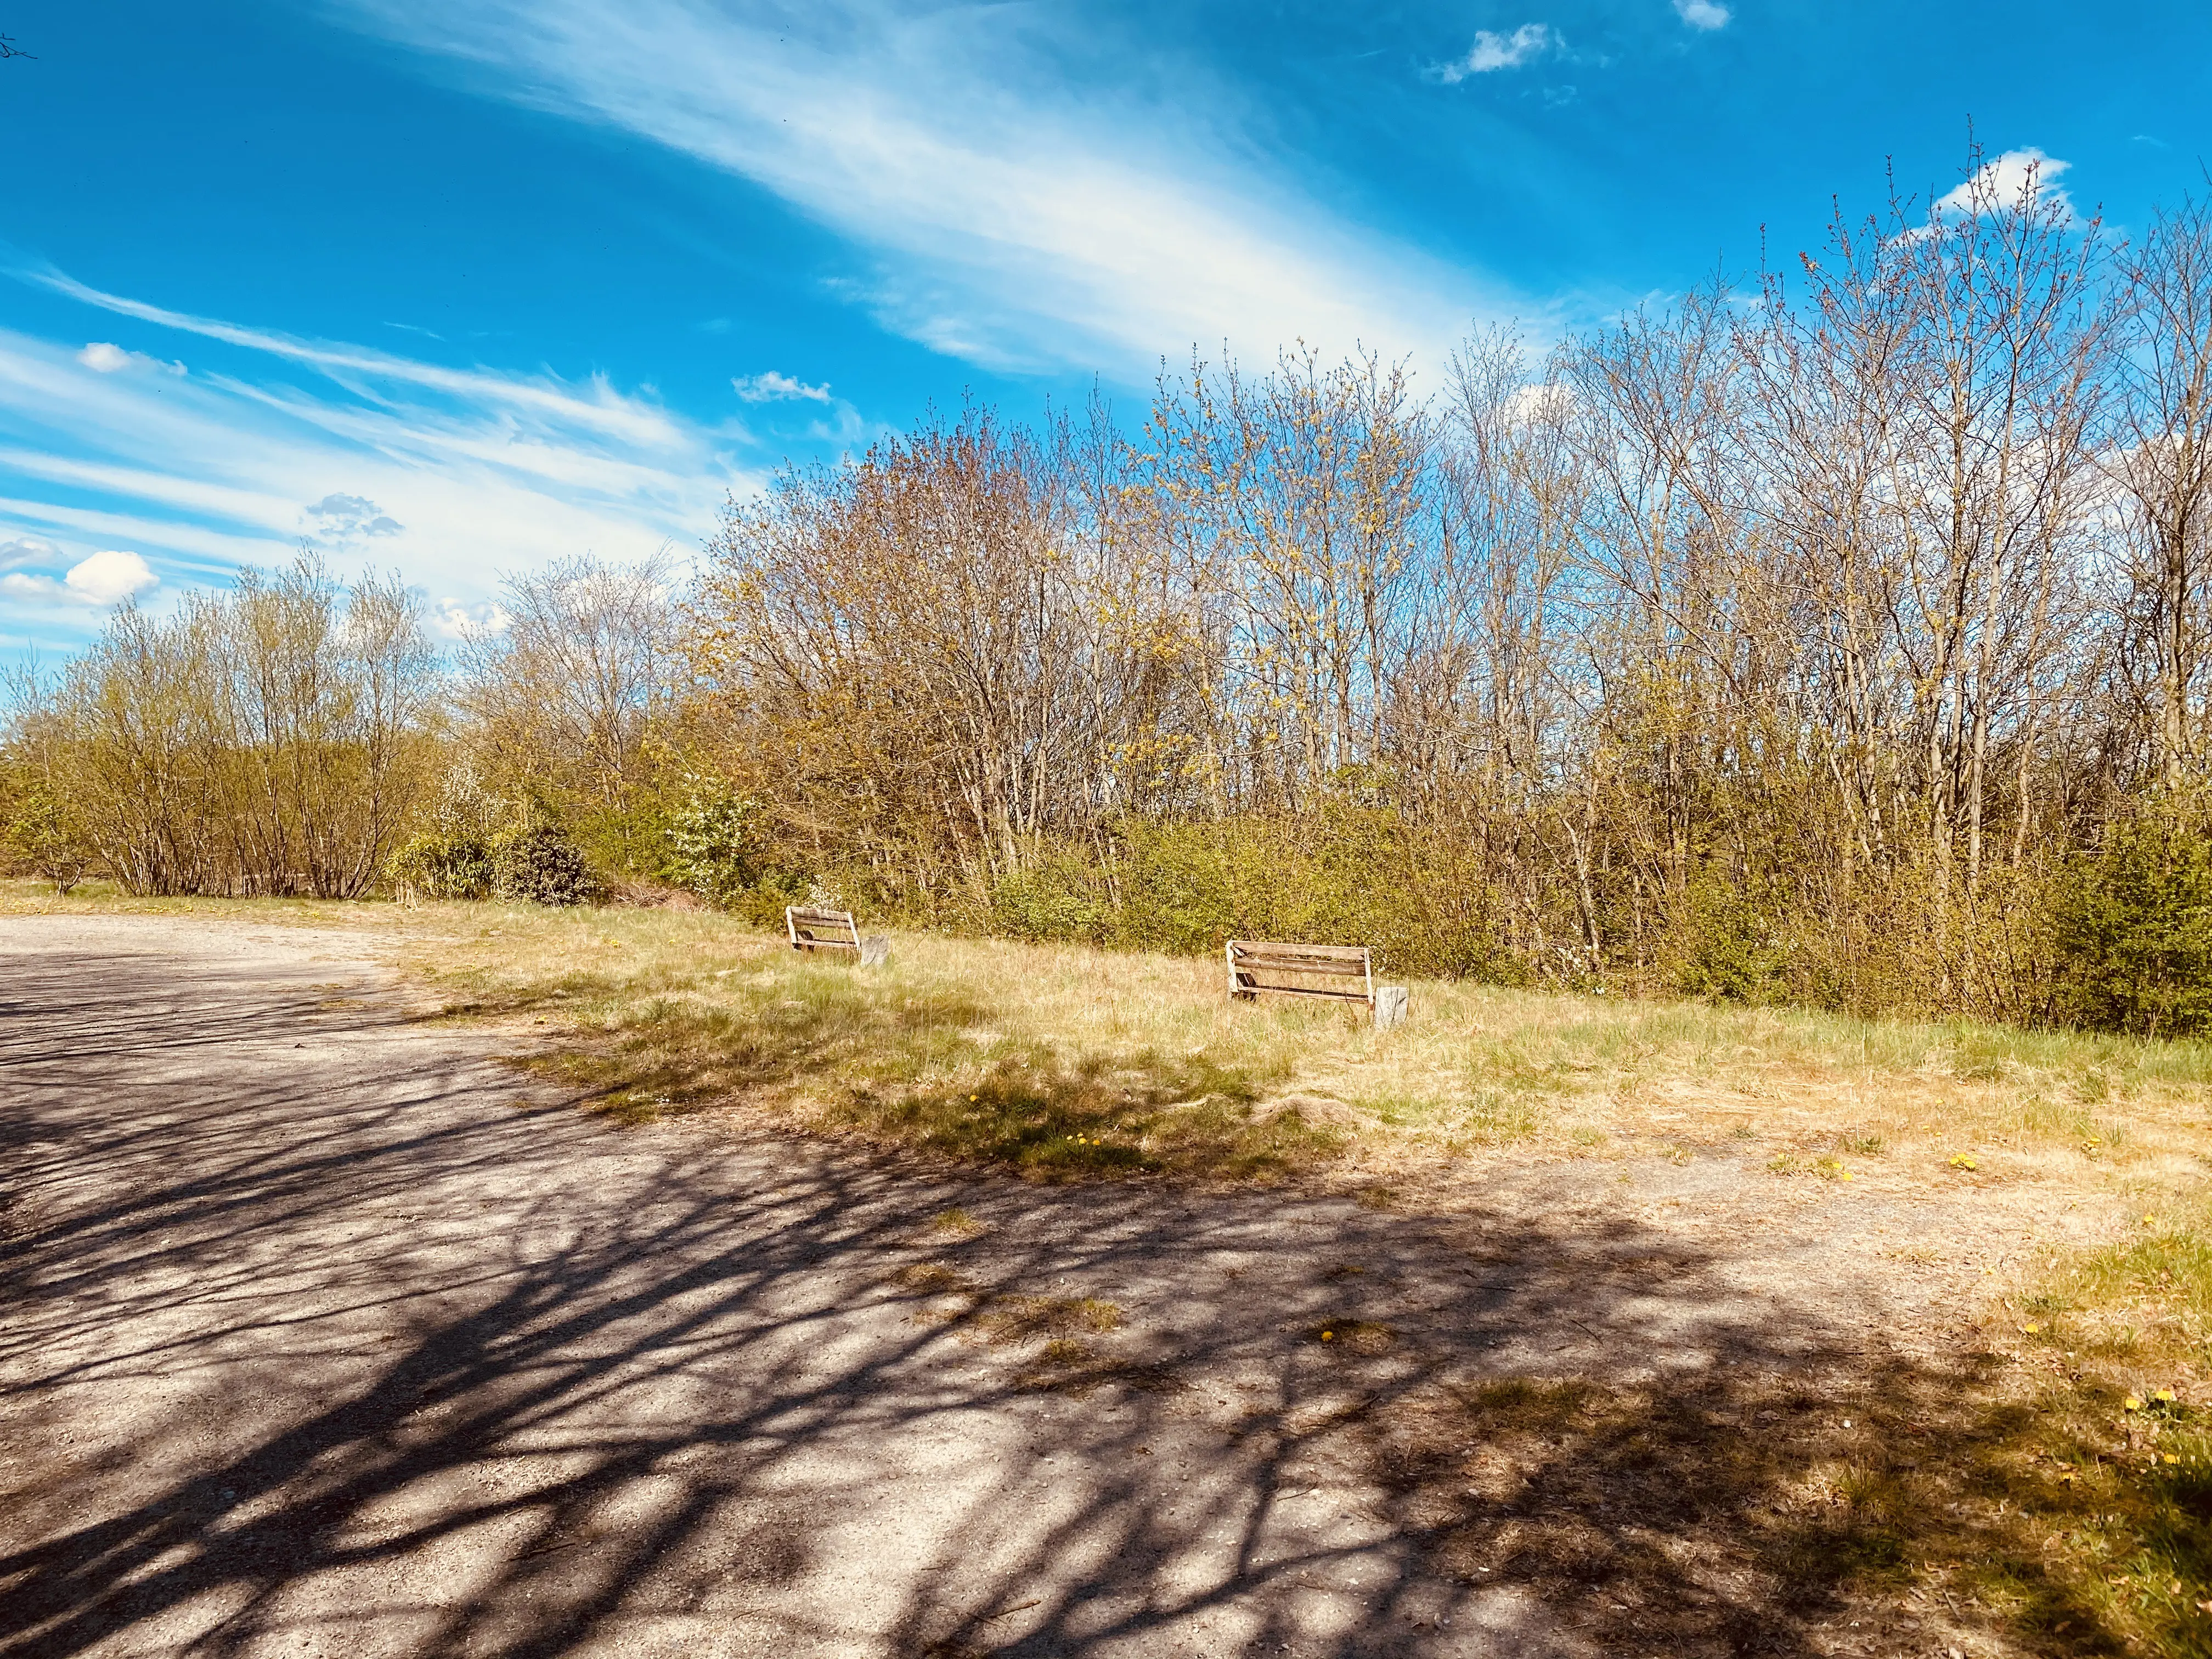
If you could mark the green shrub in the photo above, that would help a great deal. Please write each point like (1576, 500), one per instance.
(42, 837)
(1062, 898)
(455, 866)
(536, 860)
(2134, 924)
(714, 844)
(479, 845)
(1359, 875)
(1731, 946)
(451, 858)
(1175, 888)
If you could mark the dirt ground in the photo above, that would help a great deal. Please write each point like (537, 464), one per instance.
(321, 1332)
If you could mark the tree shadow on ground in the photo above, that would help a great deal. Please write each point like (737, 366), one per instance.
(345, 1350)
(903, 1066)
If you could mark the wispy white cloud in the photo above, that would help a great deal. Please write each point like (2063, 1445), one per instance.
(1498, 51)
(1702, 14)
(599, 406)
(1011, 219)
(27, 550)
(106, 578)
(452, 475)
(773, 387)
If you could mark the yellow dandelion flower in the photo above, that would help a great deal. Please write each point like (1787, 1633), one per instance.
(2131, 1404)
(2172, 1457)
(2163, 1393)
(1328, 1336)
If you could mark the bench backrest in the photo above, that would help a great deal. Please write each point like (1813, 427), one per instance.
(1248, 958)
(814, 929)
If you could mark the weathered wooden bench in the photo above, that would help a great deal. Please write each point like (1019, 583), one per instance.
(812, 929)
(1352, 965)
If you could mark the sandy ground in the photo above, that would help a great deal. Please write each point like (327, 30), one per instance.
(320, 1333)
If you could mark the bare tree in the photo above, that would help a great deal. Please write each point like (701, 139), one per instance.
(571, 692)
(2161, 468)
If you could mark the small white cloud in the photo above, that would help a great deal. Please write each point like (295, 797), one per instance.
(455, 619)
(1545, 402)
(103, 579)
(341, 518)
(2018, 180)
(1702, 14)
(773, 387)
(109, 578)
(103, 357)
(1498, 51)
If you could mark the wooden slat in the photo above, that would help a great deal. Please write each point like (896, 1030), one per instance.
(1298, 965)
(838, 917)
(1300, 991)
(1335, 952)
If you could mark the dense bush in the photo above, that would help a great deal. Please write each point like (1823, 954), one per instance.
(444, 864)
(1360, 877)
(712, 843)
(38, 835)
(450, 857)
(479, 845)
(2135, 923)
(1731, 943)
(536, 860)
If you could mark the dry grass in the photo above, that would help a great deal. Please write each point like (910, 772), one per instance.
(1064, 1061)
(2102, 1443)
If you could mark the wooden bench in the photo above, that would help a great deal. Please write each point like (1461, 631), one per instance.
(812, 929)
(1352, 965)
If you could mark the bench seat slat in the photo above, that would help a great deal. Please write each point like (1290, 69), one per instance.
(1300, 991)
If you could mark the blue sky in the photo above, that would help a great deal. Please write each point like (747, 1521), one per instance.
(460, 287)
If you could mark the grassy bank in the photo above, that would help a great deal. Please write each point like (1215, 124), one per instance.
(1069, 1058)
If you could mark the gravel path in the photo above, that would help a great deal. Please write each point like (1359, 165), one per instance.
(321, 1332)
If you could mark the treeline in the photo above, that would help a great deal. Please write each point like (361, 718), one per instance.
(274, 738)
(1840, 637)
